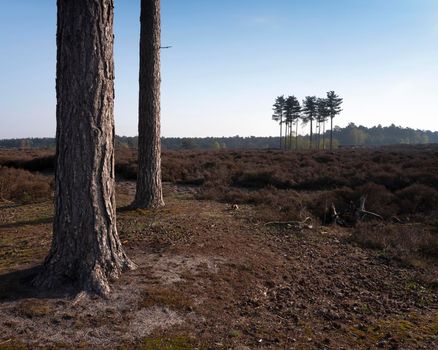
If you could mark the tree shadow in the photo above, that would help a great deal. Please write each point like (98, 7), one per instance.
(17, 285)
(13, 205)
(125, 209)
(28, 222)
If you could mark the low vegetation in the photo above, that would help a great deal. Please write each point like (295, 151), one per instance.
(400, 184)
(246, 254)
(22, 186)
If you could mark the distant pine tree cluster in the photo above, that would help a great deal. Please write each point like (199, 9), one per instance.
(313, 110)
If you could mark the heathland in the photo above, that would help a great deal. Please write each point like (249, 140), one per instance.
(254, 249)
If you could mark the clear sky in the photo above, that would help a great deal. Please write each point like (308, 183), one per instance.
(231, 58)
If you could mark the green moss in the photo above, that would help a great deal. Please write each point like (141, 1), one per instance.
(162, 343)
(165, 297)
(24, 234)
(411, 327)
(234, 333)
(405, 325)
(366, 309)
(24, 254)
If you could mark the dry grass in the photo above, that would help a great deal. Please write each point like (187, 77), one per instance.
(23, 186)
(171, 299)
(406, 242)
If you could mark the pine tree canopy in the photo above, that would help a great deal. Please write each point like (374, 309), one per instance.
(323, 110)
(334, 103)
(292, 109)
(278, 108)
(309, 108)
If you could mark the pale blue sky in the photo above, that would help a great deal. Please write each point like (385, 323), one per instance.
(231, 58)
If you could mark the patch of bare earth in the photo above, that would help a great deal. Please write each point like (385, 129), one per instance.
(211, 277)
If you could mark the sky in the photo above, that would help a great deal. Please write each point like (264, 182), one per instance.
(231, 58)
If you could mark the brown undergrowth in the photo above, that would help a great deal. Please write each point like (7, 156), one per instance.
(214, 277)
(22, 186)
(399, 183)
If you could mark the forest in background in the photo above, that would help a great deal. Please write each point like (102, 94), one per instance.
(352, 135)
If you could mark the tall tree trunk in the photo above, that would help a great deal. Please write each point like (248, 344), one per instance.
(319, 135)
(323, 135)
(316, 135)
(296, 135)
(281, 132)
(286, 130)
(285, 133)
(86, 249)
(290, 135)
(331, 133)
(286, 136)
(149, 192)
(311, 134)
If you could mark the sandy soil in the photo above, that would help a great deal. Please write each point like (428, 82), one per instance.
(214, 277)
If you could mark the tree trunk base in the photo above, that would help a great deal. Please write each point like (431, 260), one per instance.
(138, 204)
(91, 279)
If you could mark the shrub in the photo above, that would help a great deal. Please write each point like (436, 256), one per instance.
(255, 179)
(23, 186)
(402, 241)
(378, 199)
(417, 198)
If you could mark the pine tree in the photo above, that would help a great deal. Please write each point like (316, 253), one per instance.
(292, 114)
(334, 103)
(310, 113)
(287, 112)
(86, 249)
(278, 115)
(322, 116)
(149, 192)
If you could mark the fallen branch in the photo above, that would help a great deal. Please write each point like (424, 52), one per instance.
(396, 219)
(5, 342)
(337, 218)
(297, 224)
(363, 211)
(335, 213)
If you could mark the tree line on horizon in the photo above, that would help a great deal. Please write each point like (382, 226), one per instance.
(289, 112)
(351, 135)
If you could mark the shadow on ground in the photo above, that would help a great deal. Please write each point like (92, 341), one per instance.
(17, 285)
(42, 221)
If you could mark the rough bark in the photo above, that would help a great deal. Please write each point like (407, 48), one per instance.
(86, 249)
(149, 192)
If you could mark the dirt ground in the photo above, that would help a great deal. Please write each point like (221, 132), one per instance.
(214, 277)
